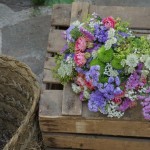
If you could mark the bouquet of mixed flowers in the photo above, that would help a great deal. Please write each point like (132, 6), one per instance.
(107, 65)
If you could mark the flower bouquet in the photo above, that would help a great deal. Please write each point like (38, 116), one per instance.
(108, 66)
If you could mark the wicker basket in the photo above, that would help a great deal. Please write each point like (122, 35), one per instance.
(19, 96)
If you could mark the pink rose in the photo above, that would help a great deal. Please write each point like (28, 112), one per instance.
(109, 22)
(79, 59)
(80, 44)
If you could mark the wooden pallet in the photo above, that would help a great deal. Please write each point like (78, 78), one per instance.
(65, 122)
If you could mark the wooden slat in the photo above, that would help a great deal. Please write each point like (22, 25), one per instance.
(55, 41)
(49, 63)
(71, 105)
(48, 77)
(50, 103)
(138, 17)
(79, 11)
(95, 126)
(94, 142)
(61, 15)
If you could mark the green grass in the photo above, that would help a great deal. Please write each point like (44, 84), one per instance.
(51, 2)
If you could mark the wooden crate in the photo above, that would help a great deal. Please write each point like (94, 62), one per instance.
(65, 122)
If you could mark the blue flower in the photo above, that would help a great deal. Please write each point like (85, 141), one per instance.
(111, 80)
(117, 81)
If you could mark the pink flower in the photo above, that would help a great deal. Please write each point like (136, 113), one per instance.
(79, 59)
(80, 80)
(80, 44)
(109, 22)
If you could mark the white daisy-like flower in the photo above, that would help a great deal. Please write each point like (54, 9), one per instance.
(147, 63)
(132, 60)
(75, 88)
(143, 58)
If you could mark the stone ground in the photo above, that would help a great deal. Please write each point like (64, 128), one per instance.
(24, 29)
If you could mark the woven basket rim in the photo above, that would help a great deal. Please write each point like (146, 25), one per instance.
(36, 94)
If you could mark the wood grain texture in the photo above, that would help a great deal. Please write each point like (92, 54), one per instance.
(61, 15)
(94, 142)
(48, 77)
(95, 126)
(71, 105)
(80, 10)
(56, 41)
(138, 17)
(50, 103)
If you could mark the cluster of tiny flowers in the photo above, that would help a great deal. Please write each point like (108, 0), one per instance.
(107, 65)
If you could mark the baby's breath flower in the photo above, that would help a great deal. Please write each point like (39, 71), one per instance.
(111, 33)
(86, 94)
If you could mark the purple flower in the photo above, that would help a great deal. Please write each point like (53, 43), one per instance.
(111, 80)
(117, 81)
(96, 102)
(80, 70)
(95, 47)
(101, 33)
(87, 34)
(68, 35)
(125, 104)
(123, 34)
(93, 74)
(117, 91)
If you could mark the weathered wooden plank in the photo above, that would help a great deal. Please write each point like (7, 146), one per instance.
(71, 105)
(95, 126)
(61, 15)
(94, 142)
(50, 103)
(56, 41)
(138, 17)
(49, 63)
(48, 77)
(79, 11)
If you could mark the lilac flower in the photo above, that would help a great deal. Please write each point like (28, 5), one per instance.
(123, 34)
(101, 33)
(117, 80)
(117, 91)
(93, 74)
(133, 81)
(125, 105)
(110, 79)
(87, 34)
(68, 35)
(96, 102)
(64, 48)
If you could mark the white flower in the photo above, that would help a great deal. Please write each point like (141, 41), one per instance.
(75, 88)
(143, 58)
(108, 44)
(144, 73)
(123, 62)
(112, 110)
(132, 60)
(76, 23)
(131, 69)
(147, 63)
(86, 94)
(111, 33)
(94, 54)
